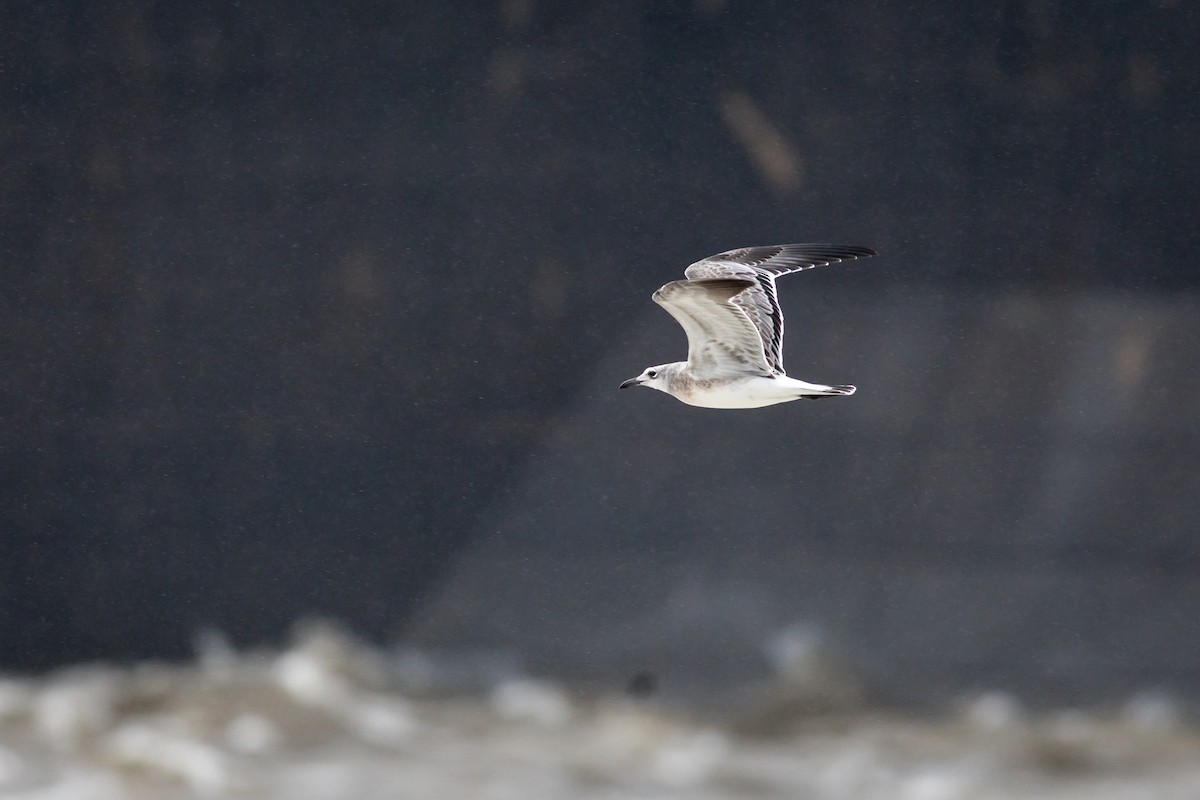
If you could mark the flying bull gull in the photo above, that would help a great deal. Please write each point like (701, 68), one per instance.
(729, 311)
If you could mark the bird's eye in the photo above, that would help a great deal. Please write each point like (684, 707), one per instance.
(651, 373)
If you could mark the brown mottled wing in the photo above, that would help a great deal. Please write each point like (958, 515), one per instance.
(722, 340)
(762, 265)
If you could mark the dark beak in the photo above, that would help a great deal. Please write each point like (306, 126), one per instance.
(630, 382)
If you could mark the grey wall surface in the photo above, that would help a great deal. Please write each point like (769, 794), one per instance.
(1009, 501)
(293, 292)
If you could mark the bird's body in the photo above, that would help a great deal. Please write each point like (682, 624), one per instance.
(751, 391)
(728, 308)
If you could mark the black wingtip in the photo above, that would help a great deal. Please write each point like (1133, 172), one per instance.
(843, 390)
(834, 251)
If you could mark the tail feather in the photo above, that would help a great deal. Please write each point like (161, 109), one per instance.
(843, 390)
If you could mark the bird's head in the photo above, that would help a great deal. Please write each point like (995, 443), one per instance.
(653, 377)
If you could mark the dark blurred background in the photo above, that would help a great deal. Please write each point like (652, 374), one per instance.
(300, 301)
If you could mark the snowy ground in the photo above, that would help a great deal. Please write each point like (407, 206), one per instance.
(328, 718)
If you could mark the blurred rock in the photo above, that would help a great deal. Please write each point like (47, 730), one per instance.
(74, 705)
(811, 678)
(202, 767)
(993, 711)
(531, 700)
(253, 734)
(1153, 712)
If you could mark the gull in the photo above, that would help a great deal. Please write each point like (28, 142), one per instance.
(729, 311)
